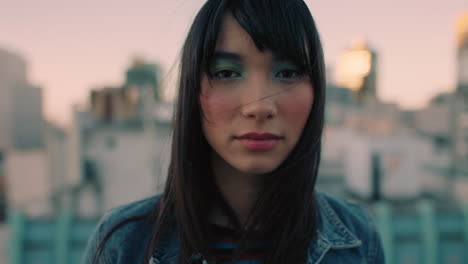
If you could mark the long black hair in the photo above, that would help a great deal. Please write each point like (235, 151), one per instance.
(286, 208)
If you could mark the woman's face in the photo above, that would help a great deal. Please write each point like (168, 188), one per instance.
(255, 104)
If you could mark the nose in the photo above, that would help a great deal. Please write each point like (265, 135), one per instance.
(260, 106)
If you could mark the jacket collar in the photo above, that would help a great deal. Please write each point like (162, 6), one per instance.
(167, 250)
(332, 234)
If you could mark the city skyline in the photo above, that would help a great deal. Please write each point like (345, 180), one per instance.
(74, 47)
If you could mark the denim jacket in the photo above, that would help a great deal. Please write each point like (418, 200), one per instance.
(347, 235)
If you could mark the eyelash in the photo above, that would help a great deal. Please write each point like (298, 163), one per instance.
(214, 75)
(297, 74)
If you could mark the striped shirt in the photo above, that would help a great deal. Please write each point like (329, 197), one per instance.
(225, 240)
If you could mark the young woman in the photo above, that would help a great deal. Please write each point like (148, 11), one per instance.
(245, 153)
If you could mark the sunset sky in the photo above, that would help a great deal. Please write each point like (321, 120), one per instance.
(73, 46)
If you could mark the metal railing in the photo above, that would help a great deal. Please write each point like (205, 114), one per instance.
(420, 233)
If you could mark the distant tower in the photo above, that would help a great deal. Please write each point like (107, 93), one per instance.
(144, 75)
(462, 56)
(357, 70)
(21, 120)
(459, 121)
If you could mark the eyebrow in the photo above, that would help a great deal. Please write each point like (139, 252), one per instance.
(226, 55)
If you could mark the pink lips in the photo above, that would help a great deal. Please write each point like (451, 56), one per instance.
(259, 141)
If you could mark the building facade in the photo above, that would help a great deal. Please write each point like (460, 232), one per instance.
(356, 69)
(21, 121)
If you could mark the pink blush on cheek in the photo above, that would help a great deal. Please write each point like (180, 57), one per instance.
(295, 110)
(218, 108)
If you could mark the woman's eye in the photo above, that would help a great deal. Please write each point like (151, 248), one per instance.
(226, 74)
(289, 74)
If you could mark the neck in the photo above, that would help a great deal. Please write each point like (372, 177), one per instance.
(240, 190)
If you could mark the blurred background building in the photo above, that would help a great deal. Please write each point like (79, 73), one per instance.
(356, 69)
(462, 54)
(21, 121)
(119, 143)
(377, 151)
(20, 105)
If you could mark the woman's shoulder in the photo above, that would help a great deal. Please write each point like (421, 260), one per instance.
(127, 217)
(346, 224)
(126, 230)
(345, 210)
(131, 210)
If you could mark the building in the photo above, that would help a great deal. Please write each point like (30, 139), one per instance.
(116, 163)
(119, 145)
(115, 104)
(462, 55)
(144, 75)
(356, 69)
(445, 121)
(27, 119)
(21, 121)
(338, 102)
(459, 117)
(370, 147)
(21, 132)
(373, 166)
(33, 177)
(28, 181)
(55, 139)
(394, 167)
(434, 120)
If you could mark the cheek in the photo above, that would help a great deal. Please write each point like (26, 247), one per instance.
(217, 107)
(296, 108)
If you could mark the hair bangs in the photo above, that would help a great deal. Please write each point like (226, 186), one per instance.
(277, 25)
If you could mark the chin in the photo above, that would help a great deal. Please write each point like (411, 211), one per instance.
(256, 168)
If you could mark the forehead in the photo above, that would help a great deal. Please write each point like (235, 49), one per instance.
(234, 39)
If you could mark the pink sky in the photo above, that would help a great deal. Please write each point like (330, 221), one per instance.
(73, 46)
